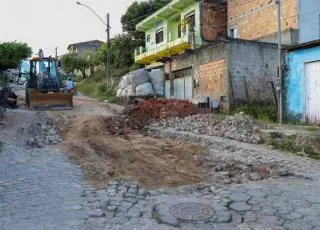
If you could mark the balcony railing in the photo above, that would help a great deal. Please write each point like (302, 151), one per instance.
(161, 50)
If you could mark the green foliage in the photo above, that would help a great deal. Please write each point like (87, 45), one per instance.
(294, 148)
(121, 51)
(312, 128)
(72, 62)
(264, 112)
(96, 87)
(11, 53)
(138, 11)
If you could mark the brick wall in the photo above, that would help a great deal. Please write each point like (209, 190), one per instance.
(258, 18)
(212, 79)
(214, 20)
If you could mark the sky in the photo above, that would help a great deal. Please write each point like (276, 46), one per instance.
(47, 24)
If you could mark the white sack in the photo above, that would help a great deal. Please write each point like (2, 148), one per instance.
(144, 89)
(139, 77)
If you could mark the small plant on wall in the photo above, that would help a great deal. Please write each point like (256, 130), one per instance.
(184, 24)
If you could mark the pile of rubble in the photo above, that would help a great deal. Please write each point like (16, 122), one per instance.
(227, 171)
(145, 112)
(239, 127)
(199, 123)
(43, 131)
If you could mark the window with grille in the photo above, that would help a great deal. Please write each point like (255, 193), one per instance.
(191, 19)
(159, 36)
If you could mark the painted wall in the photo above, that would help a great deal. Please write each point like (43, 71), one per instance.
(309, 20)
(152, 44)
(171, 26)
(252, 65)
(194, 7)
(295, 81)
(173, 29)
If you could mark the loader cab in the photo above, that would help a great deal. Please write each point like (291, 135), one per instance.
(41, 74)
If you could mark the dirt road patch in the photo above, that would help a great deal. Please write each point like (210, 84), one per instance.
(151, 162)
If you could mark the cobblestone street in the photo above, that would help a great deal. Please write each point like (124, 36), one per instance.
(41, 188)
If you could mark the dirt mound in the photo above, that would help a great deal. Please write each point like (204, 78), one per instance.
(149, 161)
(145, 112)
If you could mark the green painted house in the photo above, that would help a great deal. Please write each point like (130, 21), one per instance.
(170, 31)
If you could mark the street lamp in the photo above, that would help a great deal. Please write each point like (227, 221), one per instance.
(107, 24)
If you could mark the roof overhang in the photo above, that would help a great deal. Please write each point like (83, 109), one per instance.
(301, 46)
(170, 10)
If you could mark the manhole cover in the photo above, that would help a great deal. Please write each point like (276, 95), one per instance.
(192, 211)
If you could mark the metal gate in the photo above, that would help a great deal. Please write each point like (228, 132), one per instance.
(312, 77)
(182, 85)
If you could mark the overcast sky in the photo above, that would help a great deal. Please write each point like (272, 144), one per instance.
(49, 23)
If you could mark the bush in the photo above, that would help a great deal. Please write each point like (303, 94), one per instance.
(95, 86)
(264, 112)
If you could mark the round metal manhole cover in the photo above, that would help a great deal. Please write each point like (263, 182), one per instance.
(192, 211)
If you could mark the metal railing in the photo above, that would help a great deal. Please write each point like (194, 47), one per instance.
(141, 51)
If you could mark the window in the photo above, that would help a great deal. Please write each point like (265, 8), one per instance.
(159, 36)
(179, 31)
(233, 33)
(191, 19)
(148, 38)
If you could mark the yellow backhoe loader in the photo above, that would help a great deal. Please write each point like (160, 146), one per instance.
(43, 86)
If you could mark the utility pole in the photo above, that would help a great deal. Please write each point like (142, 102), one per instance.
(109, 80)
(56, 53)
(279, 64)
(107, 24)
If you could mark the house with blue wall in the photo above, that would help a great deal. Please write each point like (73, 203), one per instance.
(302, 82)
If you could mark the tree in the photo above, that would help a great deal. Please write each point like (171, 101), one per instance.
(138, 11)
(11, 53)
(72, 62)
(121, 52)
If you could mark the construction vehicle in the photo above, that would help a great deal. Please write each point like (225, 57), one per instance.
(43, 87)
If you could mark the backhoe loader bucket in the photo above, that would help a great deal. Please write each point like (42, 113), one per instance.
(38, 100)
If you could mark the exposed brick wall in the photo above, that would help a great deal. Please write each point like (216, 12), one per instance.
(258, 18)
(212, 79)
(214, 20)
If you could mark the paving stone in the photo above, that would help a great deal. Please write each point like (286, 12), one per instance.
(239, 196)
(270, 220)
(222, 217)
(257, 193)
(307, 211)
(163, 216)
(111, 208)
(76, 207)
(298, 225)
(240, 206)
(255, 200)
(250, 217)
(96, 213)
